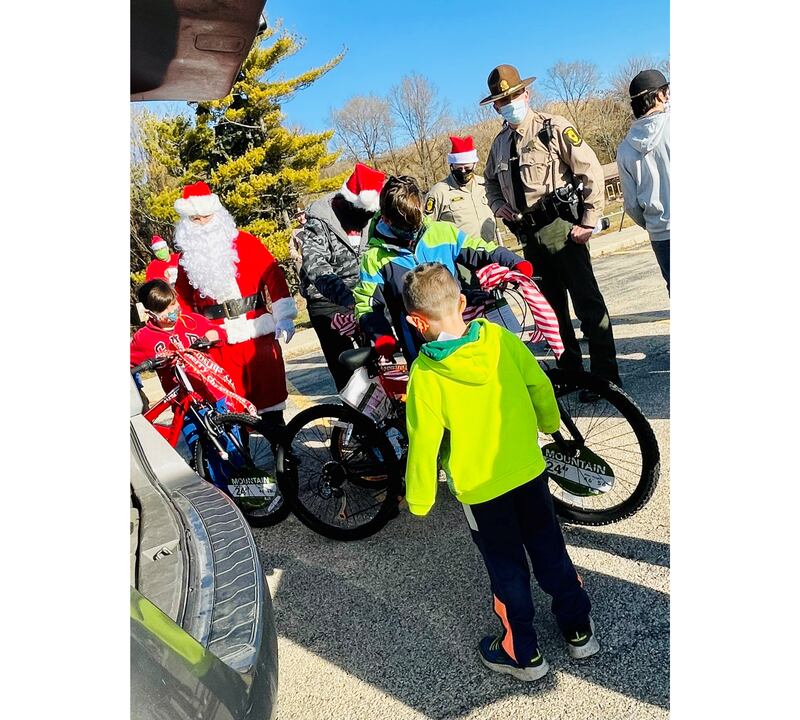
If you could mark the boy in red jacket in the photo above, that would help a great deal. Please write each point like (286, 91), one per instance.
(168, 321)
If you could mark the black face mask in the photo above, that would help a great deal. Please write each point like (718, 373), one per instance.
(351, 217)
(409, 237)
(462, 176)
(406, 238)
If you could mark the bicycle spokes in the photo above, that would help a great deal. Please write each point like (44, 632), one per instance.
(241, 474)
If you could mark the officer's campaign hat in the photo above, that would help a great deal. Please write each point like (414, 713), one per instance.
(503, 81)
(646, 80)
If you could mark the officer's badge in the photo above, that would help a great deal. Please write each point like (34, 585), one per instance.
(430, 205)
(504, 85)
(571, 136)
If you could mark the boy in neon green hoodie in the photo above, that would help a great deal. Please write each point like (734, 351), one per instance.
(476, 400)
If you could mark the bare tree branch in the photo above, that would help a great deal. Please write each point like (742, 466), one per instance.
(574, 84)
(362, 126)
(422, 115)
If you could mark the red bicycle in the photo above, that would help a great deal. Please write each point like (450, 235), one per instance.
(233, 451)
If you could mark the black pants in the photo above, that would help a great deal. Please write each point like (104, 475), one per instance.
(505, 528)
(661, 249)
(568, 269)
(331, 341)
(275, 426)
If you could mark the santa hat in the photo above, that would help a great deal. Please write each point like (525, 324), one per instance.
(462, 151)
(363, 187)
(197, 199)
(157, 243)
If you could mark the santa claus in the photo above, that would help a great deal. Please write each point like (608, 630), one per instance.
(230, 277)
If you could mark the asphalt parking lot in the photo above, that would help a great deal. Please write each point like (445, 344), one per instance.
(387, 627)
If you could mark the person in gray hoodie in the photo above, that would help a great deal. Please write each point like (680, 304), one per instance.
(643, 162)
(330, 244)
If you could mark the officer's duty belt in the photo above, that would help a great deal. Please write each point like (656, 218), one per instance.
(234, 308)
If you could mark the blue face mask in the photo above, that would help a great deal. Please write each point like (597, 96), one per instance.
(170, 317)
(514, 113)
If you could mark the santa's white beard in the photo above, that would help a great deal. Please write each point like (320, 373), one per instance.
(208, 255)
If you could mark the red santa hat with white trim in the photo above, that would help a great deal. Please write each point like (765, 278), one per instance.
(363, 188)
(462, 151)
(197, 199)
(158, 243)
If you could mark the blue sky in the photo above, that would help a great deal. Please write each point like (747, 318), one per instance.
(455, 44)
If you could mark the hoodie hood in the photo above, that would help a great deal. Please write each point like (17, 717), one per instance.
(322, 210)
(471, 359)
(646, 133)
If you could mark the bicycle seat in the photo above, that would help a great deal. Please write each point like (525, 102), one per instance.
(354, 359)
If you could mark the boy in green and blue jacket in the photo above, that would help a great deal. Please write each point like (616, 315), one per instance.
(401, 238)
(483, 376)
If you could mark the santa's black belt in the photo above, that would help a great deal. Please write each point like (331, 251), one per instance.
(234, 308)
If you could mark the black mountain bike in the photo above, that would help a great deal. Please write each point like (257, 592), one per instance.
(346, 478)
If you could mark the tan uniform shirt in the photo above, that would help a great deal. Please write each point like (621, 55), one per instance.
(542, 168)
(466, 207)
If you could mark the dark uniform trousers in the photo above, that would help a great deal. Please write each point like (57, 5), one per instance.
(504, 528)
(565, 267)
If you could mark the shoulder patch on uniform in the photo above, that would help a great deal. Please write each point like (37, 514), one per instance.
(430, 205)
(571, 136)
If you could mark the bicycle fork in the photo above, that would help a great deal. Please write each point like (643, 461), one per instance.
(570, 448)
(204, 421)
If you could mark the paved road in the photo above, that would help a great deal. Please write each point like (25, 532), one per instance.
(387, 627)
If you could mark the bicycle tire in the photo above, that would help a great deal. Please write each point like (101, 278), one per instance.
(641, 475)
(346, 493)
(257, 513)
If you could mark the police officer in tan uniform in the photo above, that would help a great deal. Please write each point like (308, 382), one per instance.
(461, 197)
(534, 154)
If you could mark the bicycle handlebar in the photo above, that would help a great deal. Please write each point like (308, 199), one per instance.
(145, 366)
(203, 344)
(505, 283)
(153, 364)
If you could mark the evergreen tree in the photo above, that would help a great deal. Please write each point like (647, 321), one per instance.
(238, 145)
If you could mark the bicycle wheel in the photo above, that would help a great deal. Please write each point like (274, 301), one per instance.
(613, 465)
(339, 472)
(248, 474)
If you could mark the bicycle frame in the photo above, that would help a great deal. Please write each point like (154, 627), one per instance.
(185, 403)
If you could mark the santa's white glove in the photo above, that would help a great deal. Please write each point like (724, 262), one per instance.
(285, 327)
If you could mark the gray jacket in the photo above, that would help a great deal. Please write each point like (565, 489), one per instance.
(330, 260)
(643, 162)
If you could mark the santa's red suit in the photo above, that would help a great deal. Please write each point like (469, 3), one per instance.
(252, 355)
(163, 269)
